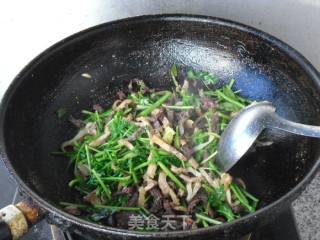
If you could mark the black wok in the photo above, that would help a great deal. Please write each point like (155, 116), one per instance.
(146, 47)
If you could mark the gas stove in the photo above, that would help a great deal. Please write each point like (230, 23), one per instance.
(284, 227)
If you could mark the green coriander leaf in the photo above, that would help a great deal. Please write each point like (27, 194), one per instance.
(226, 211)
(61, 112)
(174, 74)
(205, 77)
(174, 71)
(218, 197)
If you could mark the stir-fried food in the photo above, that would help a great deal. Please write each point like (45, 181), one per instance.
(153, 153)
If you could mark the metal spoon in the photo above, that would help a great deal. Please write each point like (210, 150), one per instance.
(244, 129)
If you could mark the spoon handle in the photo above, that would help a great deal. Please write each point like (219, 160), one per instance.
(293, 127)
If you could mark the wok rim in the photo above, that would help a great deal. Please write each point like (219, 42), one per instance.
(50, 208)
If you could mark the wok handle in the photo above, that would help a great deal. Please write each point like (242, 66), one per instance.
(15, 220)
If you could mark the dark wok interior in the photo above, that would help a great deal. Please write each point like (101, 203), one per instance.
(115, 53)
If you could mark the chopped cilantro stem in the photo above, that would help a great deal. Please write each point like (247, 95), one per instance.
(204, 223)
(142, 165)
(250, 196)
(88, 156)
(219, 93)
(157, 104)
(224, 116)
(106, 191)
(210, 157)
(242, 199)
(174, 74)
(114, 208)
(117, 179)
(208, 219)
(171, 175)
(179, 107)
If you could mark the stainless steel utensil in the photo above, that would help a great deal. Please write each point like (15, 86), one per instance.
(245, 128)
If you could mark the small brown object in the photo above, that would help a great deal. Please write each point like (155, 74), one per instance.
(193, 163)
(77, 122)
(178, 170)
(200, 197)
(189, 124)
(238, 208)
(167, 207)
(97, 107)
(84, 171)
(124, 104)
(158, 114)
(102, 139)
(92, 198)
(30, 211)
(186, 150)
(208, 103)
(121, 95)
(240, 182)
(211, 213)
(73, 210)
(133, 201)
(226, 180)
(157, 203)
(165, 146)
(183, 142)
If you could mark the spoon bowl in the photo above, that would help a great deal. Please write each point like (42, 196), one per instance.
(245, 128)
